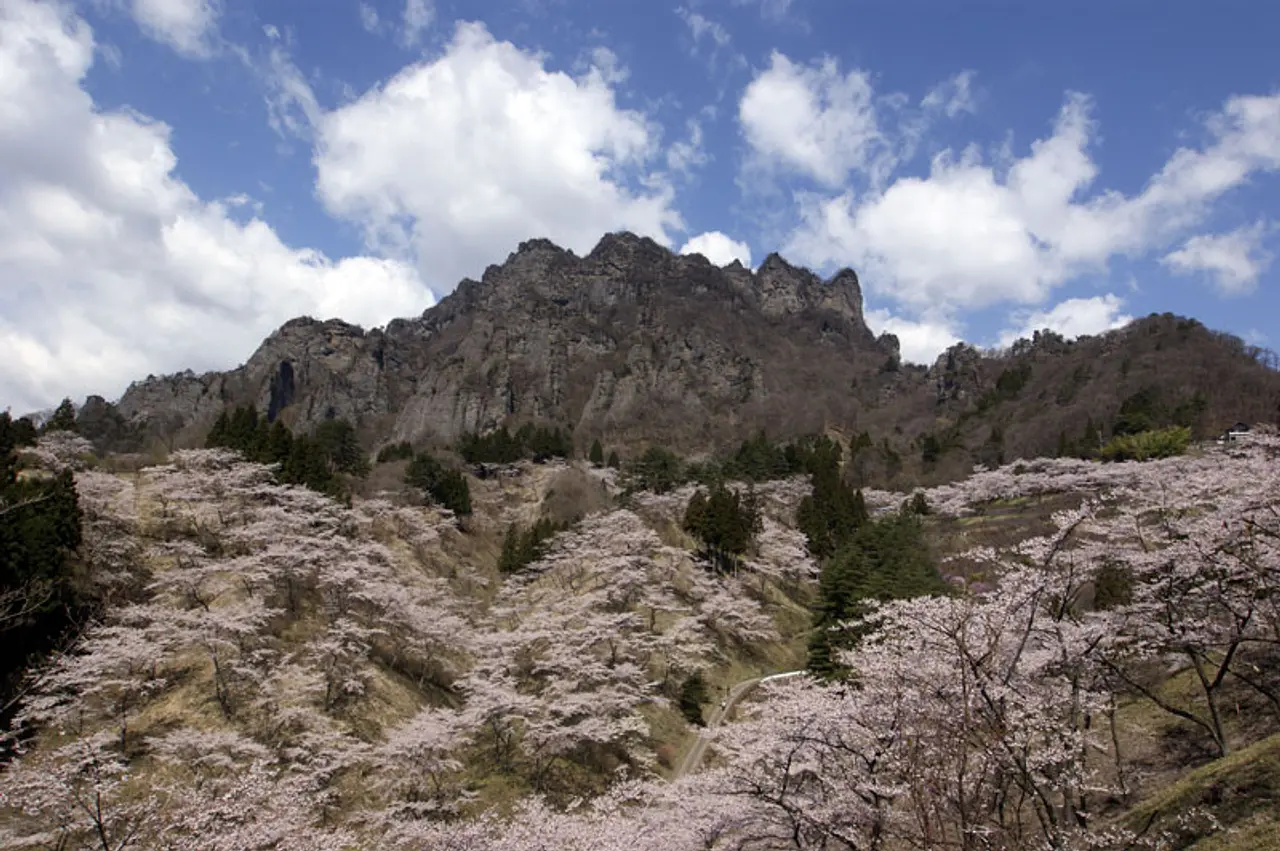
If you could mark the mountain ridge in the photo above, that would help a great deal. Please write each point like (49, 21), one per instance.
(636, 345)
(630, 303)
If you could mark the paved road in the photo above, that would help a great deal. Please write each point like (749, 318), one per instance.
(693, 759)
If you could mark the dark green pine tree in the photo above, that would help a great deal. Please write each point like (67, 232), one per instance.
(220, 434)
(834, 511)
(340, 447)
(453, 492)
(613, 463)
(306, 466)
(657, 470)
(840, 589)
(259, 448)
(423, 471)
(884, 560)
(724, 523)
(596, 455)
(279, 444)
(39, 534)
(63, 419)
(242, 429)
(695, 515)
(447, 487)
(509, 559)
(693, 696)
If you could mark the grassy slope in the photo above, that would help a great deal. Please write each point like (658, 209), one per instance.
(1240, 791)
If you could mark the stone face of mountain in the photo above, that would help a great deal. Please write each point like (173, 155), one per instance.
(631, 342)
(634, 344)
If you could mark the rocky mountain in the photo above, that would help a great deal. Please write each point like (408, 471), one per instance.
(634, 344)
(631, 342)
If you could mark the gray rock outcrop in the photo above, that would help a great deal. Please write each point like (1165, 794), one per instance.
(631, 342)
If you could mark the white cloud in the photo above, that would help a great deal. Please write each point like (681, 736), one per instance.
(1071, 318)
(968, 235)
(1234, 260)
(368, 18)
(188, 26)
(456, 160)
(115, 268)
(919, 340)
(951, 97)
(292, 108)
(418, 15)
(700, 26)
(814, 120)
(718, 248)
(605, 63)
(710, 40)
(688, 154)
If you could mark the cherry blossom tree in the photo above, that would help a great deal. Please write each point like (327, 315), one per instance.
(417, 768)
(1199, 544)
(77, 796)
(113, 669)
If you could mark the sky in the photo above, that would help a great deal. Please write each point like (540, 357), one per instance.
(178, 178)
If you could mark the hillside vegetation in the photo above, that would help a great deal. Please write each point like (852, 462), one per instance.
(633, 346)
(274, 669)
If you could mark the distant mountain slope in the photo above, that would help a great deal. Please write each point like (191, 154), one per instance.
(1048, 394)
(631, 341)
(634, 344)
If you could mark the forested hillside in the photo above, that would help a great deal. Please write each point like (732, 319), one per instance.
(1022, 659)
(634, 346)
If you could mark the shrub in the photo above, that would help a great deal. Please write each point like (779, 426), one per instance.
(395, 452)
(1148, 445)
(447, 487)
(693, 694)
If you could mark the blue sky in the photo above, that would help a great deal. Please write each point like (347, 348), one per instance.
(180, 177)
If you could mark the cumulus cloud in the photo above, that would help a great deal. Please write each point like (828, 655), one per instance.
(1233, 260)
(188, 26)
(116, 268)
(969, 235)
(456, 160)
(1070, 318)
(718, 248)
(814, 121)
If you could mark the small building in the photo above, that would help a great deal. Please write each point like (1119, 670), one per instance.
(1235, 432)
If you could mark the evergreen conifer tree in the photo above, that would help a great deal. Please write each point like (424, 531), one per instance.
(509, 559)
(693, 695)
(63, 419)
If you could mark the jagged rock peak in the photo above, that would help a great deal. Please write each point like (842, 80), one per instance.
(308, 324)
(539, 245)
(784, 288)
(623, 244)
(777, 287)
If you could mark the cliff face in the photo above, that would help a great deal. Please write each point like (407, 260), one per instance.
(631, 343)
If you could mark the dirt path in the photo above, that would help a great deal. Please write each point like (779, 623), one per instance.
(693, 759)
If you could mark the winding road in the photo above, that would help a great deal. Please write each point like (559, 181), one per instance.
(693, 759)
